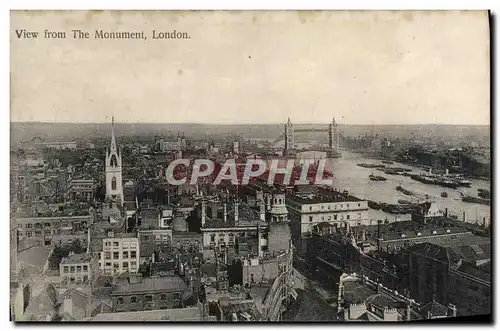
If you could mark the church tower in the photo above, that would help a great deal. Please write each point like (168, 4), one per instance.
(114, 188)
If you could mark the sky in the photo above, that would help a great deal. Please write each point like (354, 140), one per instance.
(255, 67)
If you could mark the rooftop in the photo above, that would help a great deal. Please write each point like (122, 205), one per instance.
(159, 284)
(356, 292)
(77, 258)
(247, 216)
(35, 256)
(180, 314)
(434, 308)
(312, 199)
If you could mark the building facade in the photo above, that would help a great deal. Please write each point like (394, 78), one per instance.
(121, 253)
(305, 212)
(79, 268)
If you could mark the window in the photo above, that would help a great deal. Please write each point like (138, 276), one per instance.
(66, 269)
(133, 299)
(85, 278)
(334, 217)
(28, 234)
(148, 298)
(212, 237)
(359, 205)
(116, 255)
(107, 255)
(146, 238)
(120, 300)
(125, 255)
(125, 265)
(116, 244)
(133, 264)
(108, 264)
(348, 216)
(38, 233)
(79, 268)
(113, 180)
(176, 296)
(85, 268)
(163, 297)
(310, 218)
(107, 244)
(20, 226)
(72, 269)
(28, 226)
(133, 254)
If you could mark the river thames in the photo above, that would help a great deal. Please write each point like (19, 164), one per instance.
(349, 176)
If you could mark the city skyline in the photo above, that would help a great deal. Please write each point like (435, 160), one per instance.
(364, 68)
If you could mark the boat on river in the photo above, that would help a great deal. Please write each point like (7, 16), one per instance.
(370, 165)
(426, 179)
(391, 172)
(404, 191)
(482, 193)
(377, 178)
(476, 200)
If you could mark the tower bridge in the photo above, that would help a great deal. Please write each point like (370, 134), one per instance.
(334, 136)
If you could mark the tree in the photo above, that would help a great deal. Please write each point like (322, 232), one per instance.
(77, 248)
(145, 270)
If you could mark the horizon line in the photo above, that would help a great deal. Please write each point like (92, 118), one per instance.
(239, 123)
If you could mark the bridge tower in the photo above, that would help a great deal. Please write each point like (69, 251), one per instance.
(333, 140)
(289, 137)
(333, 135)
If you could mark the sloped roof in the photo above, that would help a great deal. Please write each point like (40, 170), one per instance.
(169, 283)
(384, 301)
(435, 308)
(46, 302)
(35, 256)
(431, 251)
(181, 314)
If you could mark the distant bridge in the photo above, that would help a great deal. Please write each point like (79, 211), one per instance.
(288, 136)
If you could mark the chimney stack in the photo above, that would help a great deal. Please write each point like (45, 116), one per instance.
(262, 210)
(452, 310)
(378, 234)
(236, 210)
(225, 211)
(258, 241)
(268, 201)
(203, 212)
(408, 311)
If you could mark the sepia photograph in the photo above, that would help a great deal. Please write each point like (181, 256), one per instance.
(250, 166)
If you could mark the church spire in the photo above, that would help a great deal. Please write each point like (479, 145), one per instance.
(113, 140)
